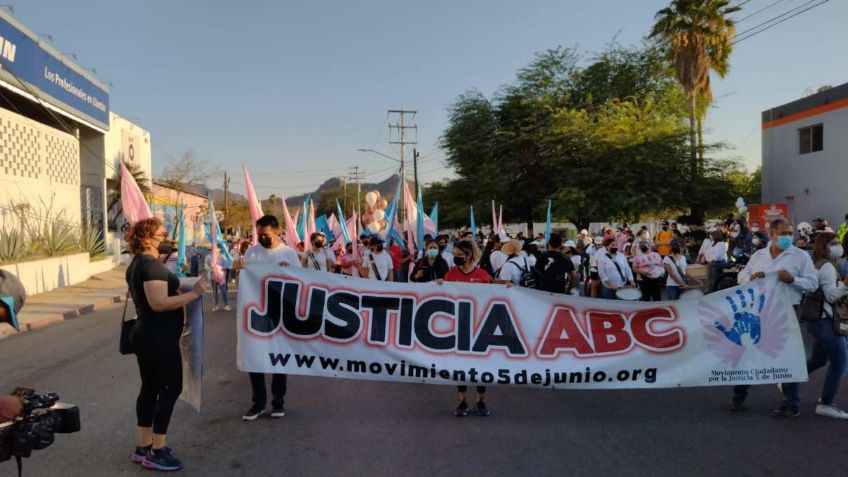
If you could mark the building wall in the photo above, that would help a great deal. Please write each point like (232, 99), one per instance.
(813, 184)
(164, 205)
(39, 166)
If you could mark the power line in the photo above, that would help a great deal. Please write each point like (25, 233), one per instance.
(757, 12)
(744, 35)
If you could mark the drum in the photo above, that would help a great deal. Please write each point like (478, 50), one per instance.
(691, 294)
(629, 294)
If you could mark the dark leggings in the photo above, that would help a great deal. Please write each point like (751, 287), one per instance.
(480, 389)
(161, 385)
(651, 288)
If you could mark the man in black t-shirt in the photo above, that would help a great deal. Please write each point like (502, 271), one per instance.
(557, 270)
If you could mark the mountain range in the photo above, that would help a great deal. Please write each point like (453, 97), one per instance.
(385, 187)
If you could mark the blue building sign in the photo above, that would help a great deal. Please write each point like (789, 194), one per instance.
(56, 81)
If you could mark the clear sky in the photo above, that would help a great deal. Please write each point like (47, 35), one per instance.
(294, 88)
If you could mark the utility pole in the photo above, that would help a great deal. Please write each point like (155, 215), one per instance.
(226, 200)
(400, 128)
(357, 175)
(415, 155)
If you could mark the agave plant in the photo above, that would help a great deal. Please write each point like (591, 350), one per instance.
(53, 237)
(13, 245)
(91, 241)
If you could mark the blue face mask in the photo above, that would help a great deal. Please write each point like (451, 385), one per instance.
(433, 252)
(784, 241)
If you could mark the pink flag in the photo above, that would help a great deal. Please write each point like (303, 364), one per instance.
(333, 224)
(132, 200)
(217, 271)
(310, 222)
(292, 238)
(500, 221)
(494, 219)
(252, 203)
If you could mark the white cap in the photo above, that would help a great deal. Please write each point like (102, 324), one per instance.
(599, 240)
(584, 232)
(570, 243)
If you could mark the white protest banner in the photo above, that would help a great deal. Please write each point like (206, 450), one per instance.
(299, 321)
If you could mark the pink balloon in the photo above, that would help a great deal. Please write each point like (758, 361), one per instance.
(367, 218)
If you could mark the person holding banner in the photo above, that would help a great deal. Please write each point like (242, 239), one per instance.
(377, 264)
(613, 270)
(675, 268)
(318, 257)
(795, 268)
(467, 271)
(269, 249)
(155, 341)
(432, 267)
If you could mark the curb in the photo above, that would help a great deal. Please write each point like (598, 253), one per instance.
(49, 320)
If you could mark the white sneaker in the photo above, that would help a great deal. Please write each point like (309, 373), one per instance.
(831, 411)
(216, 308)
(228, 308)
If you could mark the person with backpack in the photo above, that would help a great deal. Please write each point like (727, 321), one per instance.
(557, 272)
(818, 311)
(613, 271)
(516, 269)
(675, 269)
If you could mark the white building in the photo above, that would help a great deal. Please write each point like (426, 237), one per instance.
(59, 143)
(805, 156)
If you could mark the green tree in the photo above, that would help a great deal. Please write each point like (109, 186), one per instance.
(697, 36)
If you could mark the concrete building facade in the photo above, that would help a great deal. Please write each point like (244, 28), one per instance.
(805, 156)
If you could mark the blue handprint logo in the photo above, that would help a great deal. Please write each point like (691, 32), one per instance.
(746, 317)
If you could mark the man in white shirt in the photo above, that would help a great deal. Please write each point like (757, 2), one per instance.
(318, 257)
(497, 258)
(269, 249)
(377, 263)
(613, 270)
(795, 268)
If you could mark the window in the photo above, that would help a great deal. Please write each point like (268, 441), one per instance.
(810, 139)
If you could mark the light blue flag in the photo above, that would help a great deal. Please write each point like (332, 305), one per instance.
(419, 229)
(434, 216)
(342, 223)
(181, 241)
(391, 212)
(323, 225)
(473, 222)
(548, 224)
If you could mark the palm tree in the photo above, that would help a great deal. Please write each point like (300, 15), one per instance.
(697, 36)
(114, 186)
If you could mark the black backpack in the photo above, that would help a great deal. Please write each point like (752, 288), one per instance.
(530, 277)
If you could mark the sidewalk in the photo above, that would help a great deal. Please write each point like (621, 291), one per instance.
(70, 302)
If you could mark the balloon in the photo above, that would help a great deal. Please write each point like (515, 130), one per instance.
(374, 227)
(743, 209)
(370, 198)
(379, 214)
(367, 218)
(369, 209)
(383, 204)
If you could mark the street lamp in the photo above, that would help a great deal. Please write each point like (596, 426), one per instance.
(379, 154)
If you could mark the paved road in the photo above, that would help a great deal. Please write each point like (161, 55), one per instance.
(351, 428)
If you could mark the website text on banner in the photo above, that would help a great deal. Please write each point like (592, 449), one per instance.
(301, 321)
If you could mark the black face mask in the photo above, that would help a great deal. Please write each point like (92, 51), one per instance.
(644, 249)
(319, 244)
(165, 247)
(665, 227)
(378, 249)
(459, 261)
(442, 247)
(613, 251)
(675, 250)
(265, 241)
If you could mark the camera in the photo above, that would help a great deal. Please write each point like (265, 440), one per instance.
(43, 416)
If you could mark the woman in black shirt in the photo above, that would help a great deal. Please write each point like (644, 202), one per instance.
(155, 340)
(432, 266)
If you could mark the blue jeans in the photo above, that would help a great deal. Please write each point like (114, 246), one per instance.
(219, 292)
(827, 347)
(716, 271)
(673, 292)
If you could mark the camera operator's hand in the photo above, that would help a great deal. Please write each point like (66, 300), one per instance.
(10, 407)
